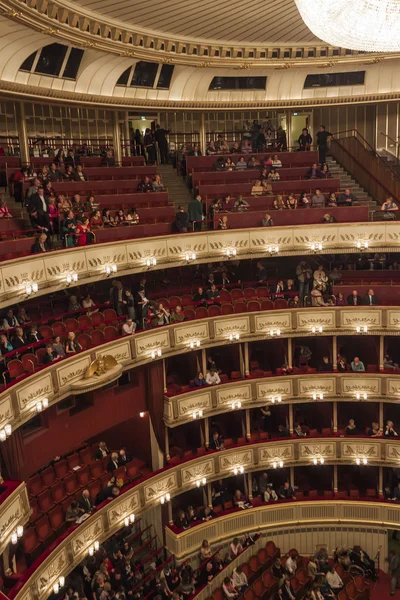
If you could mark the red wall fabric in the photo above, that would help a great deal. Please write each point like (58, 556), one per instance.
(113, 408)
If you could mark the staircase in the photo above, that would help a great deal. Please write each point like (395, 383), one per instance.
(178, 192)
(347, 181)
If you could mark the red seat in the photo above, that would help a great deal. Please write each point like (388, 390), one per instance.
(35, 514)
(253, 306)
(280, 303)
(57, 492)
(174, 301)
(249, 293)
(328, 494)
(59, 328)
(240, 307)
(45, 501)
(97, 337)
(262, 292)
(312, 494)
(46, 331)
(43, 530)
(267, 305)
(249, 594)
(201, 312)
(227, 309)
(29, 362)
(164, 302)
(97, 319)
(190, 315)
(85, 341)
(371, 493)
(97, 469)
(269, 580)
(271, 549)
(70, 484)
(131, 470)
(73, 461)
(30, 541)
(354, 494)
(187, 300)
(48, 476)
(110, 316)
(342, 494)
(15, 368)
(94, 488)
(225, 296)
(40, 352)
(302, 576)
(35, 485)
(71, 324)
(110, 333)
(263, 556)
(56, 519)
(85, 323)
(236, 294)
(86, 455)
(214, 311)
(61, 468)
(326, 431)
(83, 476)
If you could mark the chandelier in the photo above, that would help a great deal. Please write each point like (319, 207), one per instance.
(370, 25)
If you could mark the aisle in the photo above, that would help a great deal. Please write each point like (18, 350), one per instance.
(381, 590)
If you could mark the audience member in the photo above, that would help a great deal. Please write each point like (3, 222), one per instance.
(351, 428)
(286, 491)
(370, 299)
(357, 365)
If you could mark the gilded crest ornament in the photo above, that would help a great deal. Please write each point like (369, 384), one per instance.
(100, 366)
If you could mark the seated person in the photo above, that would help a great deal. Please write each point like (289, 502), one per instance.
(388, 208)
(217, 441)
(49, 356)
(33, 335)
(375, 430)
(200, 297)
(313, 172)
(58, 348)
(241, 164)
(267, 221)
(351, 428)
(41, 244)
(212, 293)
(239, 579)
(212, 377)
(177, 315)
(291, 564)
(347, 198)
(223, 223)
(279, 203)
(334, 581)
(230, 592)
(240, 204)
(357, 365)
(19, 340)
(207, 573)
(286, 491)
(113, 463)
(182, 220)
(257, 189)
(326, 365)
(327, 218)
(205, 514)
(181, 520)
(129, 327)
(388, 363)
(273, 175)
(239, 499)
(283, 431)
(191, 515)
(145, 185)
(390, 430)
(318, 200)
(235, 548)
(270, 494)
(73, 512)
(298, 431)
(199, 380)
(229, 165)
(205, 551)
(157, 184)
(332, 200)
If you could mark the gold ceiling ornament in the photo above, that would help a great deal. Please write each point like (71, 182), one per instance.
(166, 61)
(204, 65)
(129, 53)
(243, 66)
(331, 63)
(374, 61)
(88, 44)
(100, 366)
(284, 66)
(13, 14)
(50, 31)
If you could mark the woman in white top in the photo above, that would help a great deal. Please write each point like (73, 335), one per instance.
(87, 302)
(275, 161)
(320, 278)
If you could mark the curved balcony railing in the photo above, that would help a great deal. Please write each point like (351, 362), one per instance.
(144, 495)
(14, 510)
(66, 376)
(49, 270)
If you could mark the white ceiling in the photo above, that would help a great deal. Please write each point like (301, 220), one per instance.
(224, 21)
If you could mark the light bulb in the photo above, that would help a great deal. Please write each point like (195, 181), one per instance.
(279, 398)
(141, 415)
(61, 581)
(322, 460)
(271, 332)
(273, 399)
(35, 287)
(39, 406)
(274, 465)
(108, 270)
(235, 471)
(168, 497)
(8, 429)
(241, 469)
(162, 499)
(281, 463)
(91, 550)
(314, 396)
(315, 461)
(358, 329)
(194, 415)
(366, 244)
(159, 352)
(45, 402)
(365, 395)
(358, 396)
(96, 545)
(365, 461)
(204, 481)
(20, 531)
(312, 329)
(201, 412)
(198, 483)
(320, 329)
(239, 404)
(132, 518)
(278, 332)
(68, 279)
(28, 290)
(14, 537)
(126, 521)
(312, 246)
(56, 588)
(74, 277)
(365, 328)
(3, 435)
(358, 462)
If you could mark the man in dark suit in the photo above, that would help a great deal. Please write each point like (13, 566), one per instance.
(354, 299)
(38, 203)
(113, 463)
(85, 503)
(124, 457)
(101, 451)
(370, 299)
(107, 493)
(33, 335)
(71, 159)
(18, 341)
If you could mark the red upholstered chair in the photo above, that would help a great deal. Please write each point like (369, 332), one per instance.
(40, 352)
(86, 455)
(328, 494)
(57, 520)
(174, 301)
(57, 492)
(48, 476)
(164, 302)
(259, 587)
(240, 307)
(371, 493)
(110, 316)
(271, 549)
(236, 294)
(15, 368)
(253, 306)
(97, 337)
(44, 531)
(70, 484)
(225, 296)
(249, 594)
(280, 303)
(187, 300)
(45, 501)
(61, 468)
(31, 544)
(190, 315)
(269, 580)
(46, 331)
(312, 494)
(59, 328)
(96, 469)
(110, 333)
(214, 311)
(263, 556)
(29, 362)
(342, 494)
(73, 460)
(71, 324)
(354, 494)
(94, 488)
(131, 470)
(302, 576)
(83, 476)
(267, 304)
(35, 514)
(97, 319)
(262, 292)
(85, 323)
(249, 293)
(35, 485)
(227, 309)
(201, 312)
(218, 594)
(85, 341)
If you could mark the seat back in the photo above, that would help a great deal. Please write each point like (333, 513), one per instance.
(71, 324)
(15, 368)
(29, 362)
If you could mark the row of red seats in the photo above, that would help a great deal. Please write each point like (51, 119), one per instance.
(260, 293)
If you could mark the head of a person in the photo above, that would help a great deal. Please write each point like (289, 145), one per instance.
(322, 128)
(286, 485)
(200, 376)
(71, 336)
(371, 292)
(49, 349)
(19, 332)
(351, 422)
(326, 359)
(115, 491)
(356, 360)
(347, 191)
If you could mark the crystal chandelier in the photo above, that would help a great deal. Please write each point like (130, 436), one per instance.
(370, 25)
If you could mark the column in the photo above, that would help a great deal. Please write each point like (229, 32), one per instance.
(250, 485)
(245, 484)
(291, 476)
(241, 360)
(209, 494)
(381, 351)
(207, 432)
(248, 426)
(22, 134)
(334, 352)
(290, 352)
(291, 418)
(246, 359)
(204, 361)
(381, 421)
(117, 140)
(380, 482)
(335, 479)
(167, 455)
(335, 427)
(202, 440)
(164, 368)
(203, 141)
(169, 508)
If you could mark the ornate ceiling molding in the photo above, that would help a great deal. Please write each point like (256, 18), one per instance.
(12, 90)
(72, 24)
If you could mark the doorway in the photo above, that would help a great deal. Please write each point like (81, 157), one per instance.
(299, 121)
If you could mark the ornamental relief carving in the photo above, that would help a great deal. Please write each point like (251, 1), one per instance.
(87, 536)
(318, 318)
(145, 343)
(49, 575)
(195, 243)
(325, 385)
(323, 449)
(99, 258)
(120, 352)
(228, 240)
(140, 252)
(40, 387)
(73, 370)
(274, 388)
(360, 450)
(284, 452)
(18, 275)
(6, 411)
(392, 386)
(239, 393)
(200, 401)
(236, 459)
(393, 317)
(10, 517)
(264, 323)
(393, 451)
(224, 327)
(123, 508)
(261, 240)
(352, 318)
(62, 266)
(160, 487)
(198, 471)
(357, 383)
(188, 333)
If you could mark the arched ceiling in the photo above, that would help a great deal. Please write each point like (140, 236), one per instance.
(227, 21)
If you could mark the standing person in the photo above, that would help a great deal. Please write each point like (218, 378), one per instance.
(161, 139)
(149, 144)
(394, 570)
(322, 143)
(304, 275)
(304, 141)
(195, 210)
